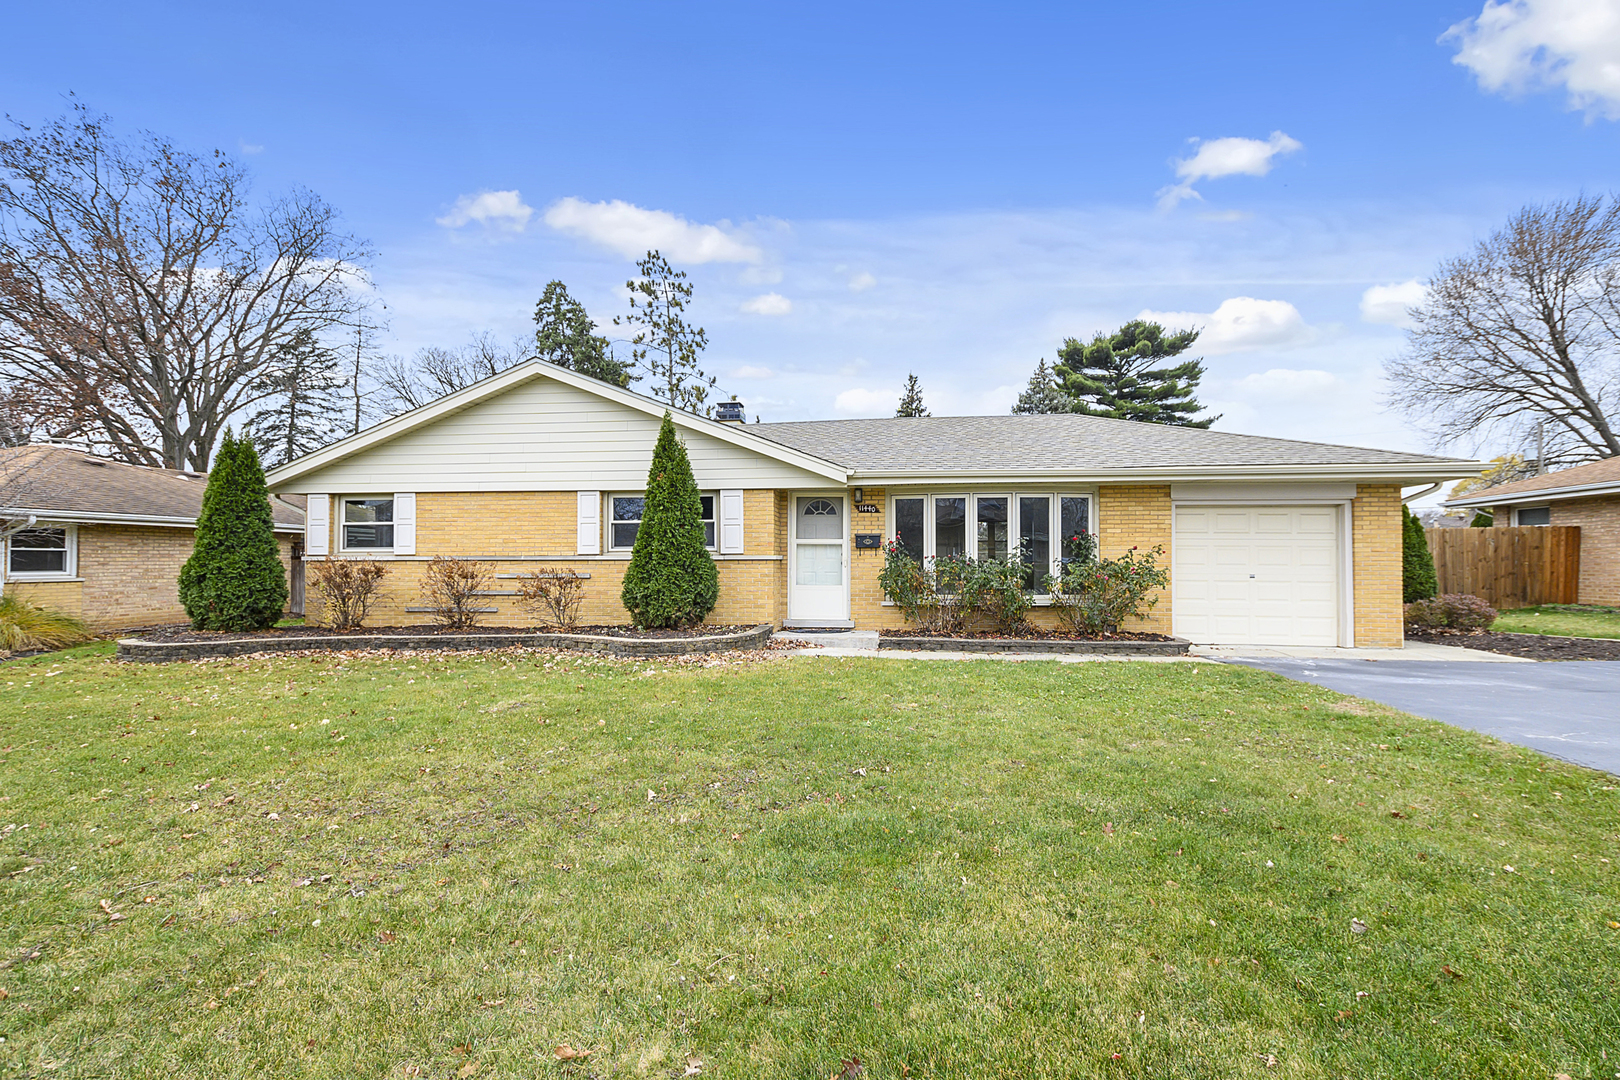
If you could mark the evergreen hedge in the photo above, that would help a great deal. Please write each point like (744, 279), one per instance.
(234, 579)
(1418, 581)
(671, 580)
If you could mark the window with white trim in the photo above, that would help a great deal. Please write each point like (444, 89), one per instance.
(1045, 525)
(1534, 515)
(42, 553)
(368, 524)
(624, 519)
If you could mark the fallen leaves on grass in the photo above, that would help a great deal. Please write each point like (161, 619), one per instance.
(1449, 970)
(694, 1065)
(1357, 926)
(1269, 1059)
(568, 1053)
(848, 1069)
(467, 1069)
(386, 937)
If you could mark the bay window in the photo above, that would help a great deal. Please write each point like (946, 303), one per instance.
(1045, 526)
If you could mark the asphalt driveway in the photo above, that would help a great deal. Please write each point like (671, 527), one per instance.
(1569, 709)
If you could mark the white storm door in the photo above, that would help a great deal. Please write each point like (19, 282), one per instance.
(1256, 575)
(819, 583)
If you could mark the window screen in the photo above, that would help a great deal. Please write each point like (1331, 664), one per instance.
(950, 526)
(992, 527)
(1535, 515)
(39, 551)
(1035, 536)
(908, 526)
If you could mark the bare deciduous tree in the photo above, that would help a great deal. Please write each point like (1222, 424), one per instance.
(434, 372)
(141, 295)
(1523, 330)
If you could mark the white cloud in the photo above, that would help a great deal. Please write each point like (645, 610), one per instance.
(768, 304)
(500, 211)
(859, 401)
(250, 148)
(632, 231)
(750, 371)
(861, 281)
(1388, 303)
(1225, 157)
(1513, 46)
(1238, 324)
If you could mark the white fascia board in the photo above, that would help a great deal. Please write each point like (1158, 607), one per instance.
(1579, 491)
(1404, 474)
(59, 517)
(736, 434)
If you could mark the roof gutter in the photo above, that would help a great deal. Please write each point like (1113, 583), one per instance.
(75, 517)
(1402, 473)
(1579, 491)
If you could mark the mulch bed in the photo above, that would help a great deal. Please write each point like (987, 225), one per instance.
(1532, 646)
(181, 633)
(1027, 634)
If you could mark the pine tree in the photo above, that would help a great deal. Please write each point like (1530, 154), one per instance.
(234, 579)
(1115, 376)
(911, 399)
(565, 335)
(307, 404)
(665, 346)
(1418, 579)
(671, 580)
(1043, 395)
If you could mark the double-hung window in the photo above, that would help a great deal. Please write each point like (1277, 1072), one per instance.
(41, 553)
(624, 520)
(368, 524)
(1044, 526)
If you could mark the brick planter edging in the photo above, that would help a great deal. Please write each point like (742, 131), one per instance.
(168, 651)
(1173, 647)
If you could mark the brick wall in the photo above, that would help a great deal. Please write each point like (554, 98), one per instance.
(522, 532)
(1599, 519)
(130, 575)
(1375, 533)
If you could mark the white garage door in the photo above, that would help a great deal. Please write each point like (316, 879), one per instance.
(1256, 575)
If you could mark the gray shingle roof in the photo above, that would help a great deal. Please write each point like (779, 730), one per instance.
(68, 483)
(1056, 441)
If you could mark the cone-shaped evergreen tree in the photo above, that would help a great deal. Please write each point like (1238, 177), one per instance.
(671, 580)
(1418, 579)
(1043, 395)
(911, 399)
(234, 579)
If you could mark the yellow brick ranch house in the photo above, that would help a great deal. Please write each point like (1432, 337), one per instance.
(1268, 541)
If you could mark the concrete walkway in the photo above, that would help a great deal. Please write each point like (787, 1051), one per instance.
(865, 643)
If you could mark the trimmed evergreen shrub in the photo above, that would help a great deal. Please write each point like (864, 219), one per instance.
(671, 580)
(1418, 580)
(234, 579)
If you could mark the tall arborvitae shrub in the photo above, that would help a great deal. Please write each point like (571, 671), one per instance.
(234, 579)
(1418, 580)
(671, 580)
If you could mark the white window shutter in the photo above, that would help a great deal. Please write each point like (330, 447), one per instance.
(731, 523)
(317, 523)
(404, 523)
(590, 523)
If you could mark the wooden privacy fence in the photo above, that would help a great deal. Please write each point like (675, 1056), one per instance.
(1509, 568)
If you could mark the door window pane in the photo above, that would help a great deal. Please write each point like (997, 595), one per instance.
(39, 551)
(821, 519)
(1035, 535)
(908, 526)
(950, 526)
(992, 527)
(368, 523)
(1074, 520)
(820, 564)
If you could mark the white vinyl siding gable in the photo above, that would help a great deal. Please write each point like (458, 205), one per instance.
(543, 435)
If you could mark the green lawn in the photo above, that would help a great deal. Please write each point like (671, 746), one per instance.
(1574, 620)
(447, 868)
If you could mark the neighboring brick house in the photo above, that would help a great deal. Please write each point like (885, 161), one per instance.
(106, 540)
(1586, 495)
(537, 468)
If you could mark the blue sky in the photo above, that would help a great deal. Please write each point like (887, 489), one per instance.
(860, 193)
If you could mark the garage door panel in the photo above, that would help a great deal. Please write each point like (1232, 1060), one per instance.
(1256, 574)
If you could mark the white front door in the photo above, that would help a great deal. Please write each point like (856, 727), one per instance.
(1256, 575)
(818, 587)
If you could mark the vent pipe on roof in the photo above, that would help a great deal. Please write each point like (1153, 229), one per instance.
(729, 412)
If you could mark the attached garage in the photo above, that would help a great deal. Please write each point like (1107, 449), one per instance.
(1260, 574)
